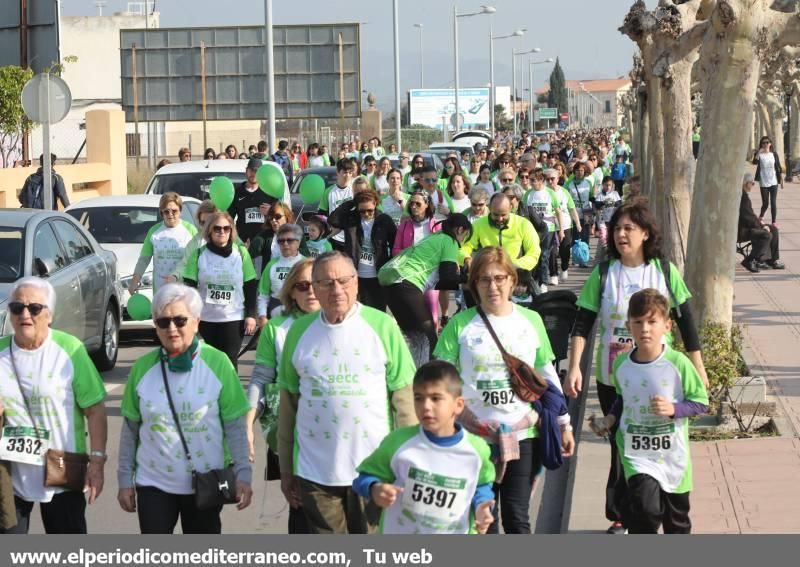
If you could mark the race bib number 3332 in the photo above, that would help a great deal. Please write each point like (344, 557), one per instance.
(24, 445)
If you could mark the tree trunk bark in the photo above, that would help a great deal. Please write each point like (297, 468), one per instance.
(766, 123)
(679, 160)
(794, 128)
(655, 145)
(755, 118)
(643, 164)
(731, 68)
(776, 113)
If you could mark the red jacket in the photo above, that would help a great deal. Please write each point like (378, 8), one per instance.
(405, 234)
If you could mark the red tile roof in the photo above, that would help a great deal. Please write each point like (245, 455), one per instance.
(593, 86)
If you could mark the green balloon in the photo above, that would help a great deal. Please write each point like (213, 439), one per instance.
(271, 180)
(138, 307)
(221, 192)
(311, 188)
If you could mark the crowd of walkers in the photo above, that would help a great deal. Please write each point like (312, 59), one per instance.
(381, 409)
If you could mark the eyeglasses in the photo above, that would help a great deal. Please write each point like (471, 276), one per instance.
(170, 212)
(507, 180)
(524, 176)
(287, 240)
(17, 308)
(416, 204)
(344, 281)
(222, 229)
(430, 179)
(164, 322)
(302, 286)
(366, 211)
(497, 279)
(276, 217)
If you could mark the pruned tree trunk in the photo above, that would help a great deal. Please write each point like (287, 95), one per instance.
(643, 165)
(776, 114)
(764, 120)
(794, 128)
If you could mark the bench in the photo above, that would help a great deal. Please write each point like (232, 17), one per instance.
(743, 248)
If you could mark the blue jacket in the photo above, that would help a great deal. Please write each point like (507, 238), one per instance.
(551, 405)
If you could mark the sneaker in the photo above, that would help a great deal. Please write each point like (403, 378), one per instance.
(553, 280)
(616, 529)
(564, 275)
(750, 266)
(776, 265)
(543, 288)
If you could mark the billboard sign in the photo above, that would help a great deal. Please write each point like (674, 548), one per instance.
(317, 71)
(42, 41)
(429, 107)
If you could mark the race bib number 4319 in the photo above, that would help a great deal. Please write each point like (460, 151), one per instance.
(24, 445)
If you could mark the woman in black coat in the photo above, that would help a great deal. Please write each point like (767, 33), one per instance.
(769, 175)
(368, 238)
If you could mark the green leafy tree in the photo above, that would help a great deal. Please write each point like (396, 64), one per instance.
(13, 121)
(501, 121)
(557, 97)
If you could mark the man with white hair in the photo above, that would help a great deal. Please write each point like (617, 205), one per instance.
(341, 370)
(49, 391)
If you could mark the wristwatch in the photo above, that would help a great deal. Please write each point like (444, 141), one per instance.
(98, 455)
(567, 428)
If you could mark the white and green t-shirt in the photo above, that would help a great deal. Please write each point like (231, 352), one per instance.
(205, 398)
(622, 282)
(609, 200)
(220, 281)
(466, 342)
(439, 482)
(460, 205)
(268, 355)
(545, 202)
(649, 444)
(272, 278)
(419, 264)
(566, 204)
(344, 374)
(392, 208)
(366, 261)
(582, 192)
(332, 198)
(59, 380)
(167, 246)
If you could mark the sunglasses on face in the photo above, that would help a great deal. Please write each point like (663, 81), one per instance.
(302, 286)
(506, 180)
(429, 179)
(276, 217)
(17, 308)
(524, 176)
(416, 204)
(366, 211)
(164, 322)
(287, 240)
(222, 229)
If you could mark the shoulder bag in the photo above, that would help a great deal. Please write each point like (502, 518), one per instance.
(214, 488)
(526, 383)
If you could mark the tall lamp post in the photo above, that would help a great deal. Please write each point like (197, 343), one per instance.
(531, 103)
(514, 54)
(421, 58)
(492, 87)
(456, 15)
(397, 123)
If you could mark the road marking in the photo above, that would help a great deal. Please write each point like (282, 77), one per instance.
(111, 387)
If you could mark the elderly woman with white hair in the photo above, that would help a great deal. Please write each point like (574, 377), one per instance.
(184, 394)
(288, 237)
(50, 394)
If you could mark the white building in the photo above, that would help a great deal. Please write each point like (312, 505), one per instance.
(595, 103)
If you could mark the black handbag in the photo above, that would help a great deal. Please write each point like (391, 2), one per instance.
(214, 488)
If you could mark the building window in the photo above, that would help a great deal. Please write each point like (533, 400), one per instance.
(608, 107)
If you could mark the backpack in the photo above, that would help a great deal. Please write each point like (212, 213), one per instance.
(666, 269)
(283, 161)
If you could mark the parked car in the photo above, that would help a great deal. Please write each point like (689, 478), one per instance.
(120, 224)
(55, 246)
(193, 178)
(471, 137)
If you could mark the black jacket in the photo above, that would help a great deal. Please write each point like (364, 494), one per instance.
(32, 194)
(346, 217)
(778, 168)
(748, 220)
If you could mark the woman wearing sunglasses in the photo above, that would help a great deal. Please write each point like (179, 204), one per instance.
(274, 275)
(155, 473)
(368, 239)
(298, 299)
(223, 273)
(50, 389)
(264, 247)
(165, 243)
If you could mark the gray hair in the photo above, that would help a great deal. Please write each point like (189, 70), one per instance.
(748, 178)
(174, 292)
(295, 230)
(477, 193)
(330, 257)
(516, 189)
(41, 285)
(551, 171)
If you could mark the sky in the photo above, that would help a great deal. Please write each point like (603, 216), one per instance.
(588, 46)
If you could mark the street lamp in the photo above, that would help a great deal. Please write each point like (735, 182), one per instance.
(421, 58)
(492, 37)
(514, 54)
(456, 15)
(531, 65)
(397, 125)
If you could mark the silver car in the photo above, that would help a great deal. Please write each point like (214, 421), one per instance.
(54, 246)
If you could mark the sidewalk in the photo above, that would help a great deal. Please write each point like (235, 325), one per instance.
(740, 486)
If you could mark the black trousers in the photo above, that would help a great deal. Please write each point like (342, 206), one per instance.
(159, 512)
(226, 337)
(769, 198)
(565, 249)
(409, 309)
(618, 185)
(616, 488)
(649, 507)
(371, 293)
(514, 492)
(64, 514)
(765, 244)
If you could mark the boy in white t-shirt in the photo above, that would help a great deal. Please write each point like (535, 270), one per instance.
(658, 389)
(434, 477)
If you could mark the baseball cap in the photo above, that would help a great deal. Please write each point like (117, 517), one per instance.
(254, 163)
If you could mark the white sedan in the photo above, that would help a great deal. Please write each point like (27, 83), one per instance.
(120, 224)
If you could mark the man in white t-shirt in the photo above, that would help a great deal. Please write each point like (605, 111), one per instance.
(337, 194)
